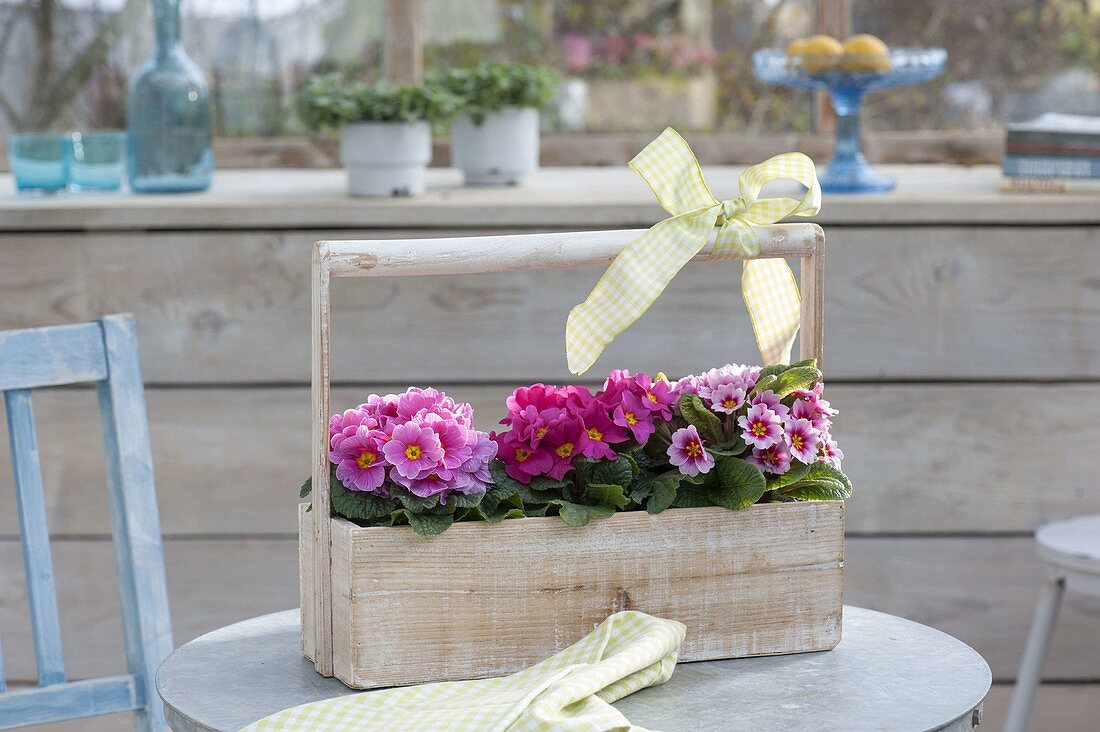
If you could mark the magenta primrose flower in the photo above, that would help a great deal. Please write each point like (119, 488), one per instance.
(802, 439)
(633, 414)
(761, 427)
(687, 452)
(598, 433)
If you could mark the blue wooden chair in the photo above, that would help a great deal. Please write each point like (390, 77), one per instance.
(104, 352)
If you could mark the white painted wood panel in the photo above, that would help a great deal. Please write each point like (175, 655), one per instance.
(935, 303)
(986, 600)
(229, 461)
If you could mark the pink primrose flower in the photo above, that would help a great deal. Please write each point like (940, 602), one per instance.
(413, 449)
(359, 463)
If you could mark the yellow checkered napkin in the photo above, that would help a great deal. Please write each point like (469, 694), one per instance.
(645, 267)
(571, 691)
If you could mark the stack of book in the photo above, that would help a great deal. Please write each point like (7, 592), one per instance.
(1056, 153)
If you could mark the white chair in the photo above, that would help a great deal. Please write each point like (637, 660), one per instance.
(1071, 551)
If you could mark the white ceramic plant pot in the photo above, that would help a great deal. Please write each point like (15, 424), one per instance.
(386, 158)
(501, 150)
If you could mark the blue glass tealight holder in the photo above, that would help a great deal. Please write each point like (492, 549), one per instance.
(98, 160)
(40, 162)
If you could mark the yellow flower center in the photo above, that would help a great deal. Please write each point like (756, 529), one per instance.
(366, 459)
(631, 419)
(759, 429)
(729, 403)
(522, 454)
(541, 432)
(693, 449)
(651, 396)
(595, 434)
(564, 450)
(797, 441)
(412, 452)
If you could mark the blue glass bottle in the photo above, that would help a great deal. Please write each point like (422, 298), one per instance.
(169, 115)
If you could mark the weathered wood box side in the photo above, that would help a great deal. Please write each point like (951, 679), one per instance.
(490, 599)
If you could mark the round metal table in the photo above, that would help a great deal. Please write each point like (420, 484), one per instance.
(888, 673)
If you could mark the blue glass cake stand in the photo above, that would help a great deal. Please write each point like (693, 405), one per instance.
(849, 172)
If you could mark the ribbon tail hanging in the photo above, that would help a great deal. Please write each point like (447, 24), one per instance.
(631, 283)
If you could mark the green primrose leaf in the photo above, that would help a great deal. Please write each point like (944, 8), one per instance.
(820, 483)
(665, 488)
(460, 500)
(764, 383)
(691, 496)
(796, 377)
(415, 503)
(427, 524)
(358, 505)
(306, 488)
(613, 472)
(576, 514)
(797, 472)
(605, 494)
(739, 484)
(704, 420)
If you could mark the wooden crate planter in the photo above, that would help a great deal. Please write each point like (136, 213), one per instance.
(382, 606)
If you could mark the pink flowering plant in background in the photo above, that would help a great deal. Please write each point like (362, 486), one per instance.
(731, 437)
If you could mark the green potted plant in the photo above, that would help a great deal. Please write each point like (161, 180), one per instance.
(495, 137)
(385, 131)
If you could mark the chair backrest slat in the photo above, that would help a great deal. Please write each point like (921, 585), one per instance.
(60, 354)
(37, 561)
(130, 475)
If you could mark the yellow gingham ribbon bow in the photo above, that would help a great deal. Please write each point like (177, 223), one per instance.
(645, 267)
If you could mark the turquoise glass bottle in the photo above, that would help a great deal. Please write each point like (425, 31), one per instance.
(169, 115)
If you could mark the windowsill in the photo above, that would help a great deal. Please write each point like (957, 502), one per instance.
(553, 198)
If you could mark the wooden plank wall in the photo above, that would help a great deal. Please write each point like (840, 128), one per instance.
(964, 360)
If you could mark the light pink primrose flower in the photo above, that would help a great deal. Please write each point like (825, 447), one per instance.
(828, 451)
(770, 400)
(413, 449)
(761, 427)
(687, 452)
(727, 398)
(775, 459)
(359, 464)
(802, 439)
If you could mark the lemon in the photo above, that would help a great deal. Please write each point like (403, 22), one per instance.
(797, 47)
(821, 54)
(865, 52)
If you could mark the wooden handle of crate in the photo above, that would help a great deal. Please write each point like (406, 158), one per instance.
(477, 255)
